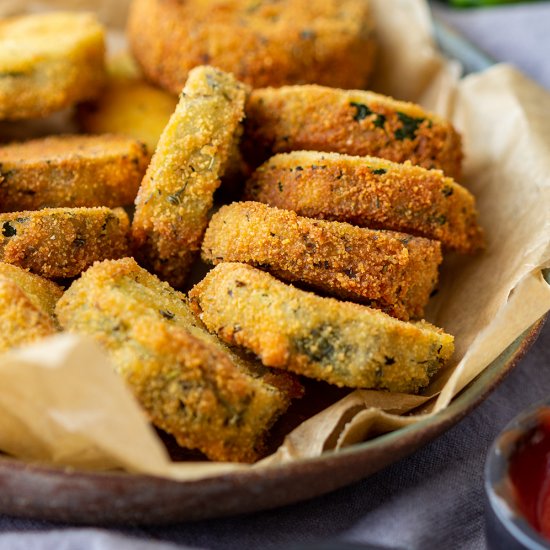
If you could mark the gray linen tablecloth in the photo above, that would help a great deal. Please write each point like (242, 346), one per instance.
(432, 499)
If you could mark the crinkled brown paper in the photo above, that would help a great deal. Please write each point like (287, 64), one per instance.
(61, 403)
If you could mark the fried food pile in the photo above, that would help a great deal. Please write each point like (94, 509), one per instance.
(339, 205)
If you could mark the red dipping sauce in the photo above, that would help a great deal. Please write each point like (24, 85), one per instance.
(529, 472)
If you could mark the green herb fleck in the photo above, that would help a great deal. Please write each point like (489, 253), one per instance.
(447, 190)
(409, 128)
(307, 34)
(349, 272)
(8, 230)
(12, 74)
(280, 186)
(175, 198)
(167, 314)
(379, 121)
(362, 111)
(317, 346)
(378, 171)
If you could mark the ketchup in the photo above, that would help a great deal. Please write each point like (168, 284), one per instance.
(529, 473)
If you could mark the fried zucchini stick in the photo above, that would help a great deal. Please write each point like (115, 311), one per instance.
(330, 42)
(370, 192)
(71, 171)
(63, 242)
(176, 194)
(49, 61)
(355, 122)
(340, 342)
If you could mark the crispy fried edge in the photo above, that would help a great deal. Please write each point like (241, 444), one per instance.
(176, 194)
(71, 171)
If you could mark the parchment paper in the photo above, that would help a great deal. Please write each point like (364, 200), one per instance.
(61, 403)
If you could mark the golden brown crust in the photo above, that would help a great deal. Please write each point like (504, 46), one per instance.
(130, 107)
(386, 270)
(262, 43)
(190, 383)
(71, 171)
(177, 192)
(21, 321)
(43, 293)
(370, 192)
(354, 122)
(340, 342)
(63, 242)
(49, 61)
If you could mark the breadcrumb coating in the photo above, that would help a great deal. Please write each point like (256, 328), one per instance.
(390, 271)
(341, 343)
(263, 43)
(21, 321)
(370, 192)
(189, 383)
(71, 171)
(354, 122)
(43, 293)
(176, 195)
(63, 242)
(49, 61)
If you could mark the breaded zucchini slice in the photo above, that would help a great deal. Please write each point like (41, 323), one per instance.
(71, 171)
(262, 43)
(63, 242)
(370, 192)
(176, 194)
(340, 342)
(49, 61)
(131, 107)
(190, 384)
(355, 122)
(386, 270)
(21, 320)
(43, 293)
